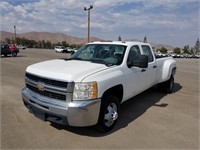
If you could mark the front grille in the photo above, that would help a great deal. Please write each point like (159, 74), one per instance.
(47, 81)
(47, 93)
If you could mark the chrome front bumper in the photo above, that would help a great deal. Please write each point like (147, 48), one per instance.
(75, 113)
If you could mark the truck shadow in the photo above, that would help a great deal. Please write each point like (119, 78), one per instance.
(138, 105)
(129, 111)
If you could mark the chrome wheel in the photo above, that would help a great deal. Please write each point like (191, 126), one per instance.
(111, 114)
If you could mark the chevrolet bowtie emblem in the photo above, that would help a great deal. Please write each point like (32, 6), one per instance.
(40, 86)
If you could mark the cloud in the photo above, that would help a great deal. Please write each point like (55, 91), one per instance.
(169, 19)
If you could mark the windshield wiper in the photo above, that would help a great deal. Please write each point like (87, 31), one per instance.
(109, 64)
(66, 59)
(100, 61)
(73, 59)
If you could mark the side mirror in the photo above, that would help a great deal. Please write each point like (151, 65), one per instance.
(129, 63)
(142, 63)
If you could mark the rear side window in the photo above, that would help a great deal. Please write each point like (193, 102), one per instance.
(147, 51)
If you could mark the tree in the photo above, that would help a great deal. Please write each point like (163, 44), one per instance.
(33, 43)
(186, 49)
(197, 47)
(191, 50)
(65, 44)
(24, 41)
(145, 39)
(48, 44)
(39, 45)
(58, 43)
(43, 43)
(8, 40)
(163, 50)
(177, 50)
(119, 38)
(18, 40)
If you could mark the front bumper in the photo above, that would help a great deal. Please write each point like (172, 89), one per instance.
(76, 113)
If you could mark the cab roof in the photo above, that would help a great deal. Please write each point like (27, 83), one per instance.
(127, 43)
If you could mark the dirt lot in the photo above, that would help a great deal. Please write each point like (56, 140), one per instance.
(151, 120)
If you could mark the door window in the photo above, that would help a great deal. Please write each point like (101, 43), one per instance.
(147, 51)
(134, 54)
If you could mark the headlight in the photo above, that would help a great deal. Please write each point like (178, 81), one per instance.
(85, 91)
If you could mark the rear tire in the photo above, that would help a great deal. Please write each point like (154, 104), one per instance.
(108, 114)
(167, 86)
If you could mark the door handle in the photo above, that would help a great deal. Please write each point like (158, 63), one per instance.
(154, 67)
(143, 70)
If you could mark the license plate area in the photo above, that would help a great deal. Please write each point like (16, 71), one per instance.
(39, 114)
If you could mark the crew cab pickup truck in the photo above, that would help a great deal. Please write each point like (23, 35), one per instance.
(88, 88)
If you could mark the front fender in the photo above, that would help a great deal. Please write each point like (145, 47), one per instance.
(107, 79)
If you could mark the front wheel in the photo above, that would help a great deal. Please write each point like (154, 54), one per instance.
(108, 114)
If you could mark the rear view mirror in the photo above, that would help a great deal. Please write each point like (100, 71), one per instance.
(143, 63)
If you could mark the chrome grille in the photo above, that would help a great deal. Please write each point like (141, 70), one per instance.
(47, 93)
(50, 88)
(47, 81)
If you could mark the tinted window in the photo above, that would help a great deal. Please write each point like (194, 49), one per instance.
(147, 51)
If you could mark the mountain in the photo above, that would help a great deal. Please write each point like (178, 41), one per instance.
(59, 37)
(4, 34)
(47, 36)
(159, 46)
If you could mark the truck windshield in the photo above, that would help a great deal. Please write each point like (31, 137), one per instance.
(108, 54)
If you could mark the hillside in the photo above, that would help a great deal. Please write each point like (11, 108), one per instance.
(47, 36)
(59, 37)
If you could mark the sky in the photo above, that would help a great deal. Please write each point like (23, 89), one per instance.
(170, 22)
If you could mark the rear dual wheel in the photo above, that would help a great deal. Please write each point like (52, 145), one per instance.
(167, 86)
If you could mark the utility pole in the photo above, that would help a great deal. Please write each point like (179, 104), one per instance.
(88, 9)
(14, 34)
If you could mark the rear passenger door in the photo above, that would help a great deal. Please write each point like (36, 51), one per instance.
(151, 71)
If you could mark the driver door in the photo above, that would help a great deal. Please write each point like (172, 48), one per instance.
(134, 76)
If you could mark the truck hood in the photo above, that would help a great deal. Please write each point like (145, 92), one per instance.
(70, 70)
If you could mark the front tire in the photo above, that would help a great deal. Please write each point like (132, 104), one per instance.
(108, 114)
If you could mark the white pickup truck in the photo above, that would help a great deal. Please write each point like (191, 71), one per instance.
(88, 88)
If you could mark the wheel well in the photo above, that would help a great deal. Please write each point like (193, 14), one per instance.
(116, 91)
